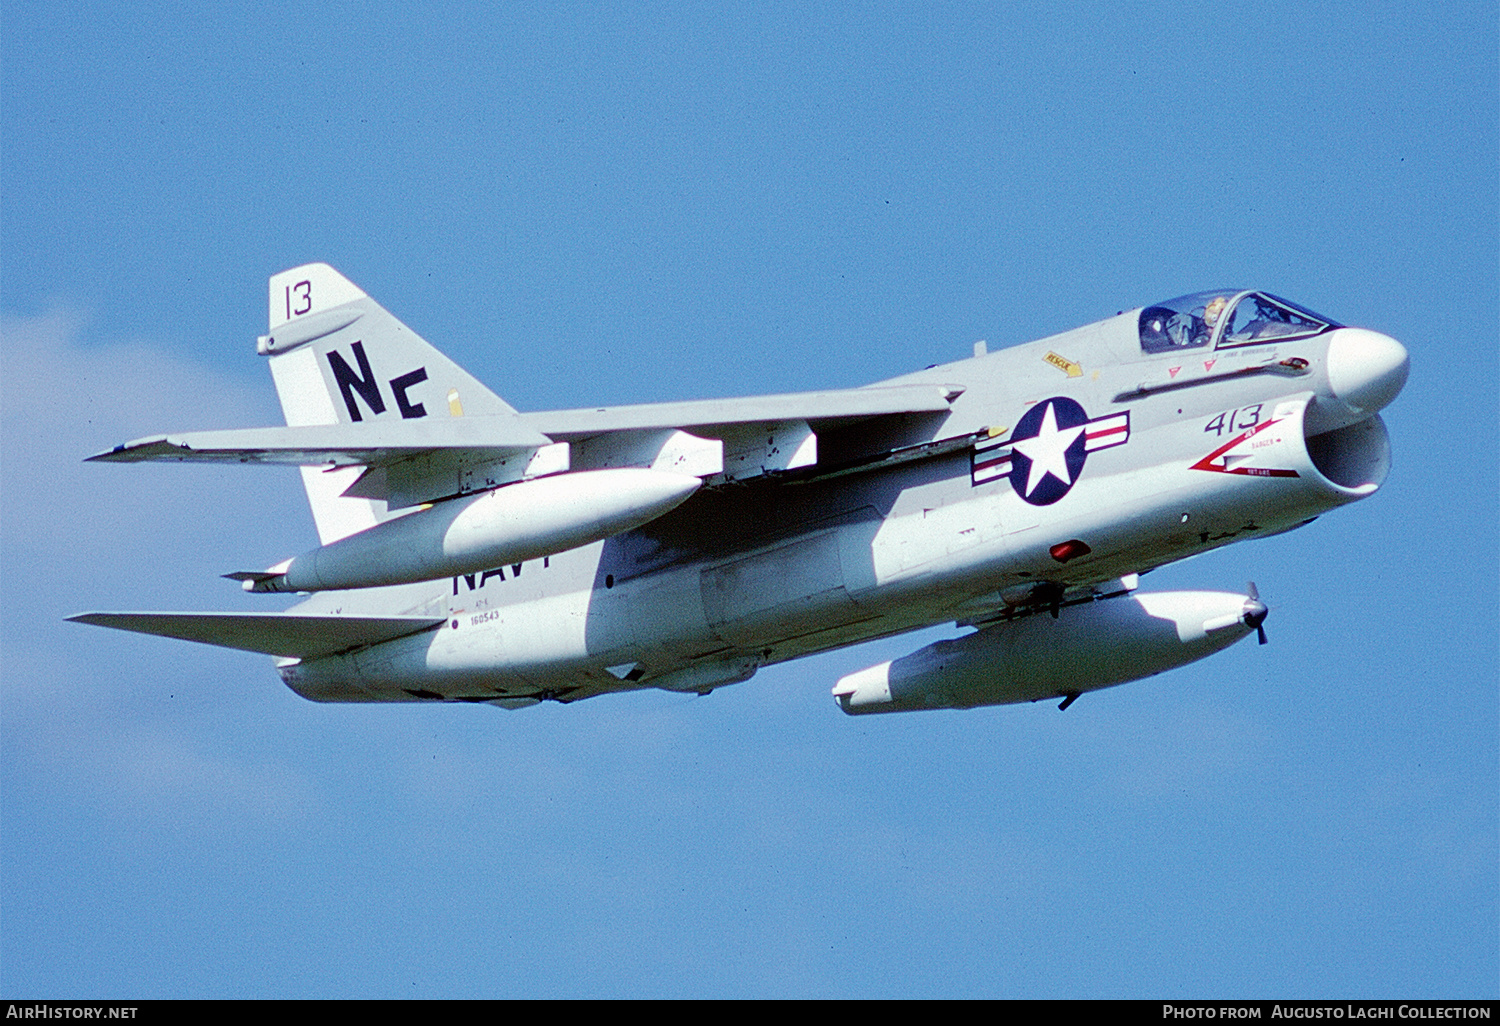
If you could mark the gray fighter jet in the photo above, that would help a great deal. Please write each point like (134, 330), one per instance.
(474, 553)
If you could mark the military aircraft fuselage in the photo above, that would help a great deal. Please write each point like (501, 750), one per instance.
(1058, 471)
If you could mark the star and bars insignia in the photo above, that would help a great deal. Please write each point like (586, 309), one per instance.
(1047, 450)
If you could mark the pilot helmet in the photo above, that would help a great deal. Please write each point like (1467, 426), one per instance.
(1213, 309)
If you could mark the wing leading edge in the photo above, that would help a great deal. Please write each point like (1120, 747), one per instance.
(425, 460)
(336, 444)
(380, 443)
(711, 416)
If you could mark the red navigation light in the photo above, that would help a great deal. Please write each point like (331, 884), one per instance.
(1064, 551)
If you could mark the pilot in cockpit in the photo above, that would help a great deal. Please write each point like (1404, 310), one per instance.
(1211, 313)
(1190, 321)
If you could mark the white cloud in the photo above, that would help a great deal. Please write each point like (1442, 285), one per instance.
(60, 401)
(78, 702)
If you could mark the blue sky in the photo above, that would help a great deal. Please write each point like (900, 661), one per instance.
(690, 201)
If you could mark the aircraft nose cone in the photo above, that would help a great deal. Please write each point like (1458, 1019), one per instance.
(1366, 369)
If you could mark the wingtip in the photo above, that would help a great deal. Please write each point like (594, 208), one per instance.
(138, 451)
(105, 455)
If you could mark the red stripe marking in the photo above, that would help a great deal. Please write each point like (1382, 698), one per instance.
(1206, 463)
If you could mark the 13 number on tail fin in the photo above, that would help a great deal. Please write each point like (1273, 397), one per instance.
(337, 356)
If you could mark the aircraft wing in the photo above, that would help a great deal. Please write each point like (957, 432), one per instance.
(386, 442)
(818, 409)
(278, 634)
(425, 459)
(337, 444)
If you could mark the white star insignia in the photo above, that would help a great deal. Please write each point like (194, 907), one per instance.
(1048, 451)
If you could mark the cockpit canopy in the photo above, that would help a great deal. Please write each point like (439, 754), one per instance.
(1223, 318)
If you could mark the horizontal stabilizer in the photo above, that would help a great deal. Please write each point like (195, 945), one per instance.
(254, 576)
(278, 634)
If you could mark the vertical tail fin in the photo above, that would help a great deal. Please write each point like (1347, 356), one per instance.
(338, 357)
